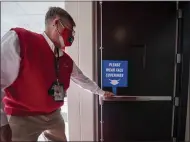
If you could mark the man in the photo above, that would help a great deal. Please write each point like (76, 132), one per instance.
(35, 75)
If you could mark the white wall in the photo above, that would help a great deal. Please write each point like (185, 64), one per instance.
(80, 102)
(29, 15)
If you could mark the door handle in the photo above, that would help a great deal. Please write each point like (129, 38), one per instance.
(139, 98)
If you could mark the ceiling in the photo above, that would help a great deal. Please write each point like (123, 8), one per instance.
(21, 8)
(28, 15)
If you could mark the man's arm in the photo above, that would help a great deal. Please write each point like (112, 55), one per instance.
(10, 64)
(80, 79)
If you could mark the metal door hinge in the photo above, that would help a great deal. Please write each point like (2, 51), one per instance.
(174, 139)
(101, 140)
(178, 58)
(180, 13)
(176, 101)
(101, 48)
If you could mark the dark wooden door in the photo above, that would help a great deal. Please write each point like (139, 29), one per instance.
(144, 34)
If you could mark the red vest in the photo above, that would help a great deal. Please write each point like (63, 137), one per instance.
(28, 95)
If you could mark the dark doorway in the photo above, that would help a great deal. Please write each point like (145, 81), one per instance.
(144, 34)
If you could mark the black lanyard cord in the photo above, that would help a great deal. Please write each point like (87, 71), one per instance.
(57, 65)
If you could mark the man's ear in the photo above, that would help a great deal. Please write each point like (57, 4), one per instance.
(55, 22)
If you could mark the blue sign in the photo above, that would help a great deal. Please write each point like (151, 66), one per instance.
(114, 74)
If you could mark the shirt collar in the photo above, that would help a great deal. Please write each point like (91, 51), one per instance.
(51, 44)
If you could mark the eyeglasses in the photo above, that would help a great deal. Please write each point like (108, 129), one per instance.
(67, 27)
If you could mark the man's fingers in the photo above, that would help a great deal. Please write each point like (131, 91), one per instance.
(109, 94)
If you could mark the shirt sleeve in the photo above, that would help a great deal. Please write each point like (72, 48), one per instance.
(84, 82)
(10, 64)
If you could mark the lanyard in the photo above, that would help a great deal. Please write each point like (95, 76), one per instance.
(57, 65)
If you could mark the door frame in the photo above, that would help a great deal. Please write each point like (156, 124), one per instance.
(95, 47)
(181, 75)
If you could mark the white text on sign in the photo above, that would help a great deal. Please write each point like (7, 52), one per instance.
(114, 70)
(114, 75)
(114, 64)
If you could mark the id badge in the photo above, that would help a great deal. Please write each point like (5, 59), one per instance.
(57, 92)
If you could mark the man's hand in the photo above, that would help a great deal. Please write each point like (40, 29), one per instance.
(108, 94)
(6, 133)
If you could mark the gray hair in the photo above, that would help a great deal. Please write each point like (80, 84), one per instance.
(57, 11)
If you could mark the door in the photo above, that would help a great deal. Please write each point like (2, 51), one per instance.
(144, 34)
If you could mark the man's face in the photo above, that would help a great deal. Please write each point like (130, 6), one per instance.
(63, 33)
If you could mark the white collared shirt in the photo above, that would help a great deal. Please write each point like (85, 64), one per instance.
(10, 64)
